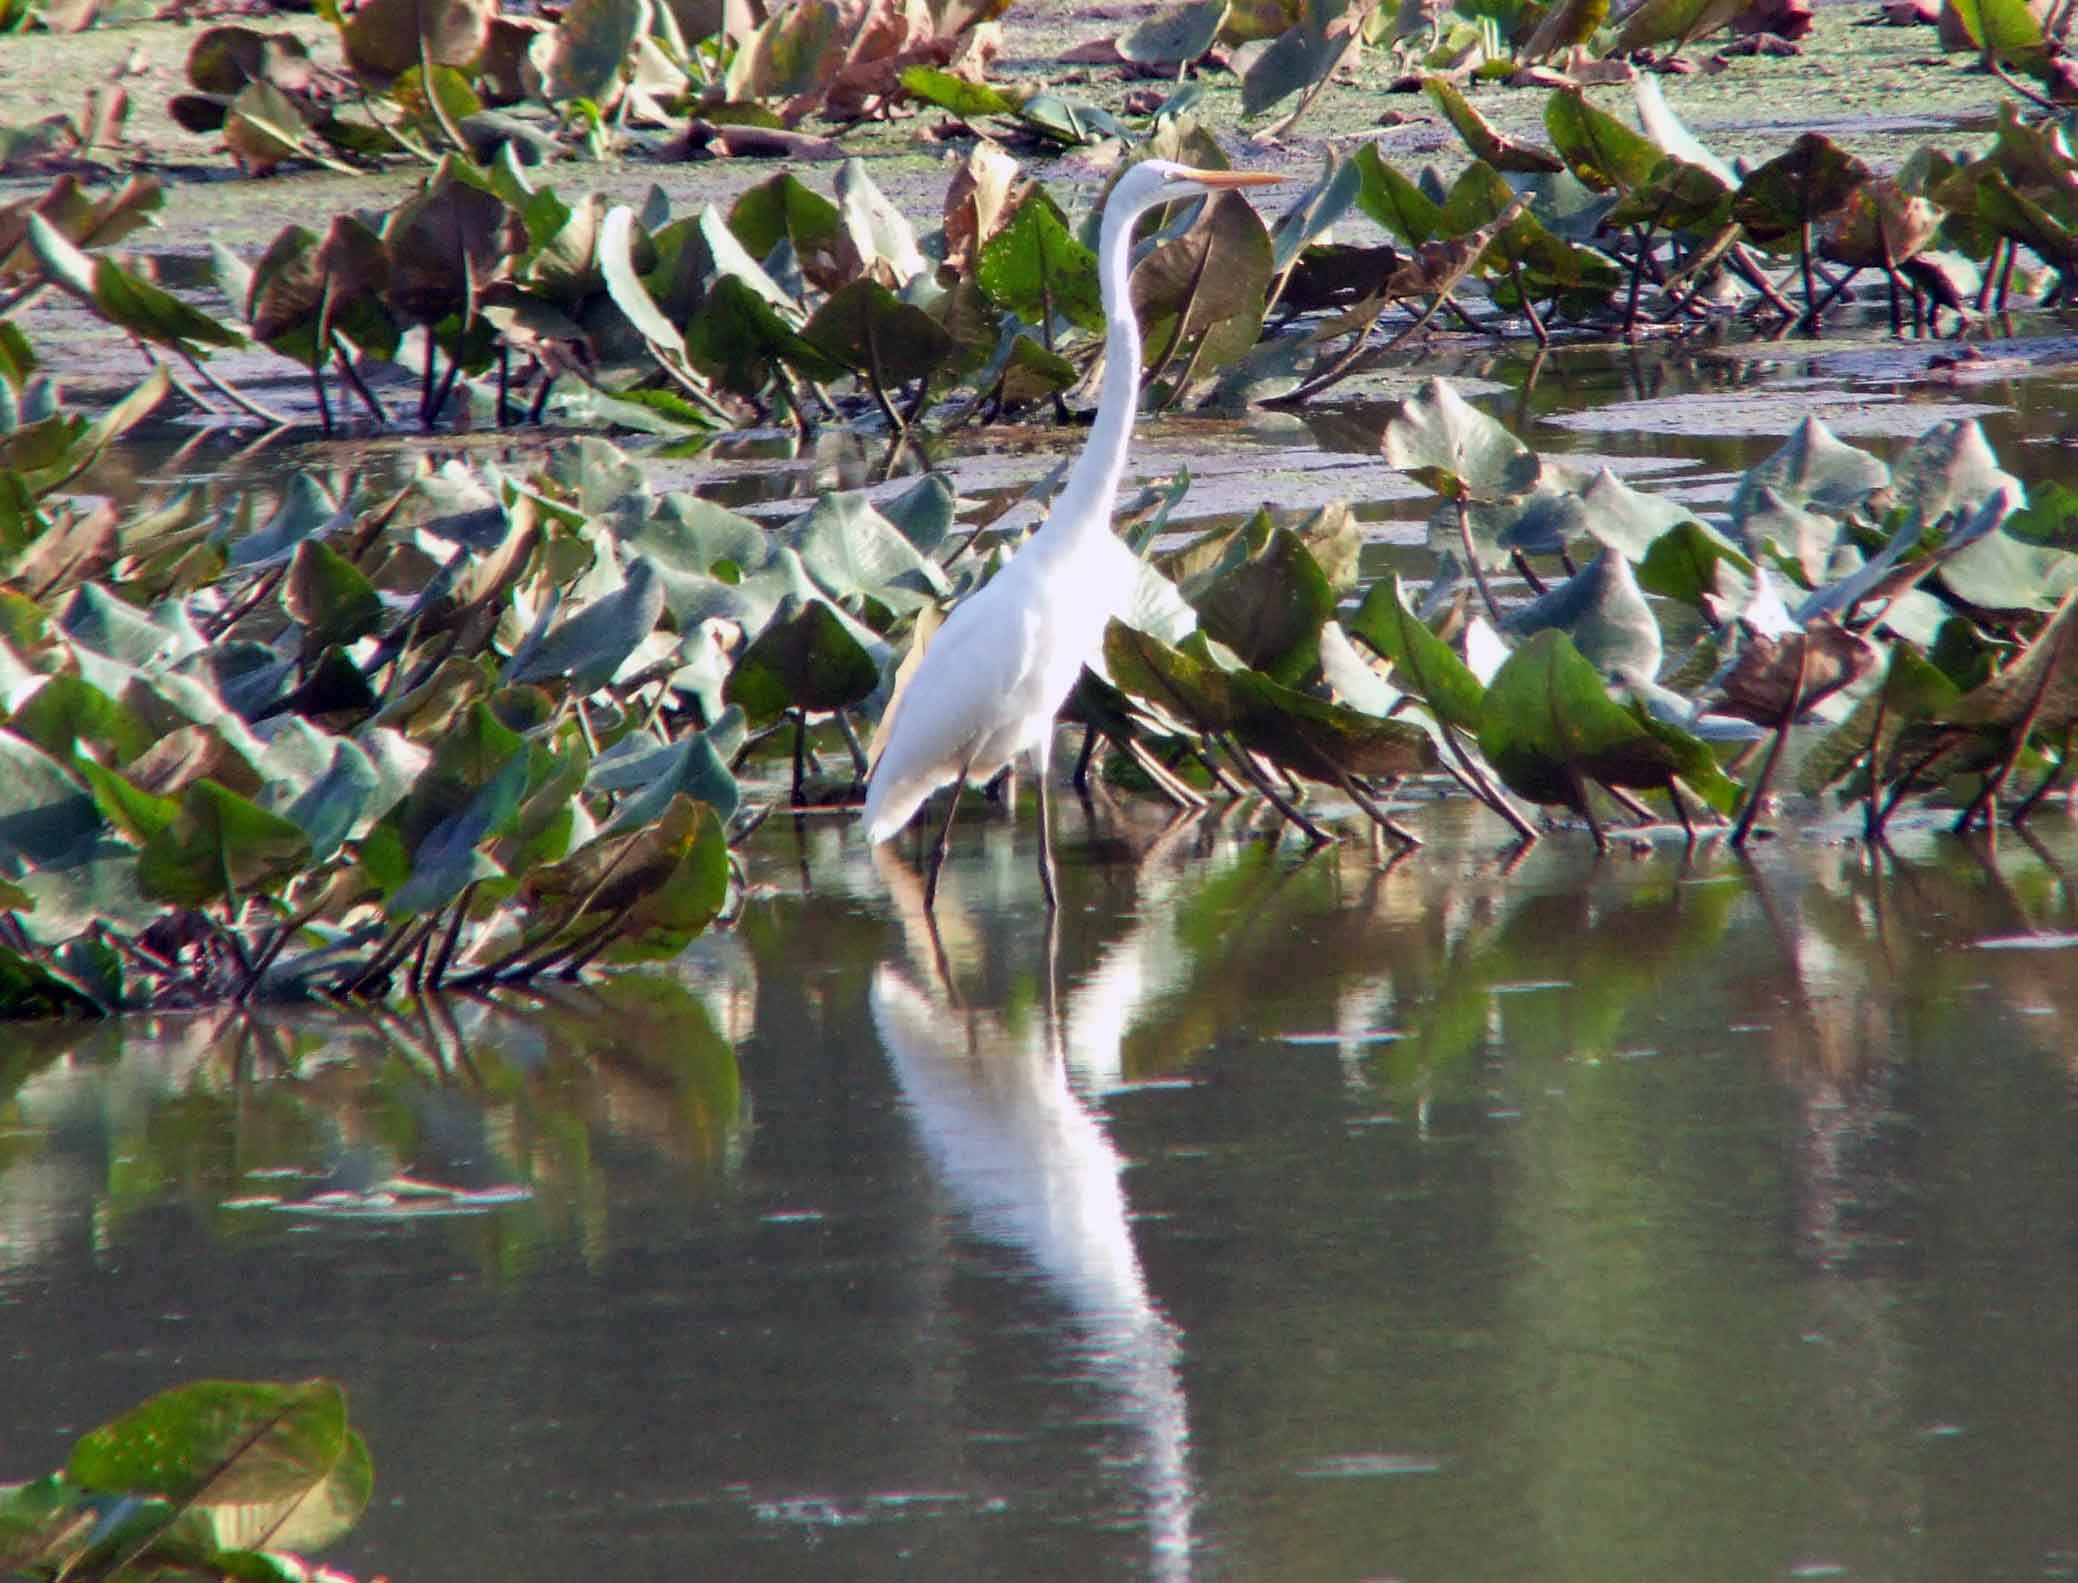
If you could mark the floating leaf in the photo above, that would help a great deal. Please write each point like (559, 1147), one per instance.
(386, 38)
(740, 340)
(591, 646)
(1813, 467)
(1797, 669)
(961, 96)
(274, 1439)
(1266, 600)
(1683, 563)
(330, 597)
(1297, 58)
(124, 299)
(44, 813)
(305, 288)
(1397, 204)
(1604, 614)
(1437, 427)
(878, 336)
(1200, 296)
(1567, 25)
(1676, 196)
(449, 856)
(854, 553)
(2007, 29)
(785, 209)
(1679, 22)
(2040, 687)
(1882, 225)
(67, 710)
(879, 233)
(588, 54)
(789, 54)
(445, 243)
(1177, 34)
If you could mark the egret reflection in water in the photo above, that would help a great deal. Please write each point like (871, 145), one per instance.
(1032, 1170)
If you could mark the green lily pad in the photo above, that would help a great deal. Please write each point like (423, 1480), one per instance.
(1807, 184)
(878, 336)
(1034, 267)
(1598, 149)
(220, 845)
(1436, 427)
(805, 658)
(1551, 727)
(1813, 468)
(1422, 662)
(1177, 34)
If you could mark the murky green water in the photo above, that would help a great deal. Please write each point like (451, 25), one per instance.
(1288, 1218)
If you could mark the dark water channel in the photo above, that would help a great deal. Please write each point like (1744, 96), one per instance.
(1304, 1219)
(1274, 1218)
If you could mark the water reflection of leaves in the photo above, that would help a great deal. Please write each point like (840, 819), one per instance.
(491, 1106)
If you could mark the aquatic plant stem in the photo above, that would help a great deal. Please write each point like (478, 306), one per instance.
(1464, 533)
(2021, 814)
(454, 931)
(1812, 307)
(1378, 816)
(1483, 788)
(1261, 782)
(1751, 811)
(1985, 800)
(359, 386)
(232, 393)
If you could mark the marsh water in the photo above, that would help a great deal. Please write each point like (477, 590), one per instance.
(1475, 1215)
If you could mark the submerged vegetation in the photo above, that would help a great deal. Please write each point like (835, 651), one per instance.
(509, 719)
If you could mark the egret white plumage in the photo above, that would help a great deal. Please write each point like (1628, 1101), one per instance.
(994, 676)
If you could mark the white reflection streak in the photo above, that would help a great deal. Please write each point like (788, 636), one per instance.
(1033, 1170)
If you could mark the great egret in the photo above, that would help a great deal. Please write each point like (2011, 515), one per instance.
(994, 676)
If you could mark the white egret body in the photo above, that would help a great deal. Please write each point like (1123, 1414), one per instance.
(996, 674)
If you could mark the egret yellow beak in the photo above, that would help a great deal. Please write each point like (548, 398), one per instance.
(1235, 178)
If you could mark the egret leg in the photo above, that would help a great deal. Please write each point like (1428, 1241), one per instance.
(938, 852)
(1046, 874)
(1042, 757)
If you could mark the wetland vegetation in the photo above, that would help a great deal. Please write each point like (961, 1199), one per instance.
(471, 478)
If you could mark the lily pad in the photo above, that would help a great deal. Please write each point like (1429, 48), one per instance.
(1551, 727)
(806, 658)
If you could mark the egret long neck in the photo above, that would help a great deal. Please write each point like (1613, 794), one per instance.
(1085, 501)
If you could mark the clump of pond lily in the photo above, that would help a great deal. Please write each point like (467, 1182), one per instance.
(517, 303)
(491, 724)
(511, 719)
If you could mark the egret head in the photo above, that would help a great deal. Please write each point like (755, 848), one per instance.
(1154, 181)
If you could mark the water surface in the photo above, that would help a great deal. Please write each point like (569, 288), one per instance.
(1660, 1215)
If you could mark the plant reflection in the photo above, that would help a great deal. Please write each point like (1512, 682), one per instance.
(486, 1110)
